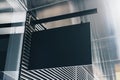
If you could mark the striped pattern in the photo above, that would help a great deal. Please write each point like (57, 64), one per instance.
(26, 47)
(26, 50)
(38, 27)
(61, 73)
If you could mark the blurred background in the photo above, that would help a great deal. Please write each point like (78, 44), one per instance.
(105, 37)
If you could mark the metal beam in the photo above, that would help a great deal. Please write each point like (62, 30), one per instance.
(11, 24)
(6, 10)
(66, 16)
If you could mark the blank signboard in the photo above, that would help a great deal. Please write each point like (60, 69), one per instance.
(60, 47)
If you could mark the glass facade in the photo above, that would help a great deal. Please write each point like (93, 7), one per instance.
(12, 23)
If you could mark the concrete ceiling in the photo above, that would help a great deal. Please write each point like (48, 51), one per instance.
(37, 3)
(34, 4)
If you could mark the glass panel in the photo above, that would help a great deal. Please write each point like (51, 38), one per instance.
(11, 46)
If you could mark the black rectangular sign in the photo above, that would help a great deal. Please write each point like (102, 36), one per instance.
(60, 47)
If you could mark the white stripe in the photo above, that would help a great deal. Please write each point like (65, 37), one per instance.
(12, 30)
